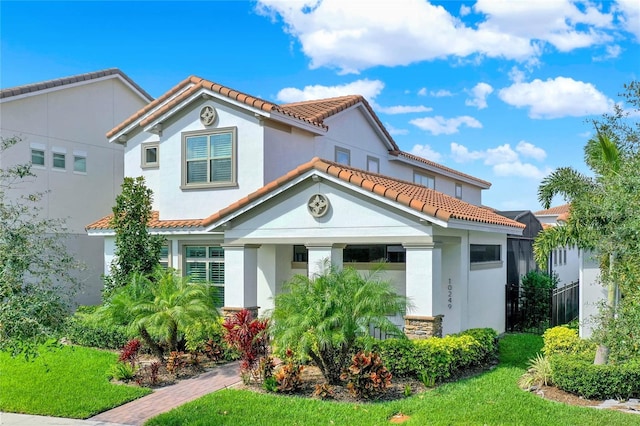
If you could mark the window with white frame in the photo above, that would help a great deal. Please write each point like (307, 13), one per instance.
(37, 157)
(59, 159)
(424, 179)
(150, 155)
(79, 161)
(479, 253)
(373, 164)
(206, 264)
(209, 158)
(164, 256)
(343, 156)
(459, 190)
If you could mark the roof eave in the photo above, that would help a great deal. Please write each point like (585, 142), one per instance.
(484, 227)
(466, 179)
(296, 122)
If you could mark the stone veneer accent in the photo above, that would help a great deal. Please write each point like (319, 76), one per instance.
(416, 327)
(228, 311)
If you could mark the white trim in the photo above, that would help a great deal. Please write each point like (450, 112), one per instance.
(434, 169)
(38, 146)
(59, 150)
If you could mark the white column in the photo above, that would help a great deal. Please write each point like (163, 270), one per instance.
(337, 255)
(241, 276)
(318, 259)
(424, 278)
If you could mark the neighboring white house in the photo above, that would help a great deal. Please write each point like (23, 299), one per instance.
(249, 193)
(573, 264)
(62, 124)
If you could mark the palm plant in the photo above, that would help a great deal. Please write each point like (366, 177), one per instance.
(322, 317)
(174, 303)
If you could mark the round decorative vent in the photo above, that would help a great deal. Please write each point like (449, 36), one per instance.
(318, 205)
(208, 115)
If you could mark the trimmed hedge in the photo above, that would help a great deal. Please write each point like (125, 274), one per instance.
(438, 358)
(565, 340)
(575, 374)
(84, 330)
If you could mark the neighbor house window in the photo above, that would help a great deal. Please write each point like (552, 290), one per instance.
(343, 156)
(80, 161)
(209, 158)
(373, 164)
(150, 155)
(484, 253)
(164, 256)
(59, 160)
(206, 264)
(458, 190)
(425, 180)
(37, 157)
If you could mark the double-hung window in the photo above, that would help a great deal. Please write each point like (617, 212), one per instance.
(206, 264)
(59, 158)
(209, 158)
(424, 180)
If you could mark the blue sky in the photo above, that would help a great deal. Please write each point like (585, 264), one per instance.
(499, 89)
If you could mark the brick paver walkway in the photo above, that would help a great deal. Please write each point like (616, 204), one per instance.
(164, 399)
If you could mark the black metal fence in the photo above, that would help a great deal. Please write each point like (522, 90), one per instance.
(535, 309)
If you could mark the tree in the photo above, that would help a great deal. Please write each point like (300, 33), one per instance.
(136, 250)
(322, 317)
(36, 271)
(603, 208)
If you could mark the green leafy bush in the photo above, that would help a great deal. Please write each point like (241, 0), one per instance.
(575, 374)
(122, 371)
(565, 340)
(85, 329)
(367, 377)
(437, 358)
(538, 373)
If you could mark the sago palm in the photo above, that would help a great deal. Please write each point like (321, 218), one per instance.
(322, 317)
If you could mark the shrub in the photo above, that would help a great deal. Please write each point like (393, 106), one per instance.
(577, 375)
(249, 336)
(289, 377)
(367, 377)
(537, 289)
(324, 391)
(565, 340)
(85, 329)
(437, 358)
(122, 371)
(538, 374)
(129, 352)
(175, 362)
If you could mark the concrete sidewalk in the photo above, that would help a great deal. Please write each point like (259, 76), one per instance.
(140, 410)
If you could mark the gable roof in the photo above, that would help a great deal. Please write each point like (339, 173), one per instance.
(408, 194)
(60, 83)
(443, 169)
(554, 211)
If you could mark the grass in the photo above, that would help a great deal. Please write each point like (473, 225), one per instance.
(68, 382)
(491, 398)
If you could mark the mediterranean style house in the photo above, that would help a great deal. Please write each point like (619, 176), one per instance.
(61, 124)
(249, 193)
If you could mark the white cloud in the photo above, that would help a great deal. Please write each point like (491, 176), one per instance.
(439, 125)
(393, 131)
(425, 151)
(503, 160)
(530, 150)
(461, 153)
(404, 109)
(367, 88)
(560, 97)
(611, 52)
(516, 75)
(479, 93)
(435, 93)
(355, 35)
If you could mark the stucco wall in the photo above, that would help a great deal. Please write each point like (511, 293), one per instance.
(592, 292)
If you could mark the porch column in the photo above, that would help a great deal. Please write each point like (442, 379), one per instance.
(240, 278)
(318, 259)
(423, 283)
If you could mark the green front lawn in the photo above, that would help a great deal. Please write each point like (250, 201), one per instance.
(69, 382)
(491, 398)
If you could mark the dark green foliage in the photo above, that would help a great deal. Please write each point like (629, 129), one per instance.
(136, 250)
(575, 374)
(36, 271)
(367, 377)
(84, 329)
(537, 288)
(321, 318)
(437, 357)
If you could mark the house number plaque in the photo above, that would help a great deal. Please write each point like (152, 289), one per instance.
(450, 294)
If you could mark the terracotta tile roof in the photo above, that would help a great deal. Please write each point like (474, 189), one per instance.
(441, 167)
(417, 197)
(554, 211)
(49, 84)
(154, 223)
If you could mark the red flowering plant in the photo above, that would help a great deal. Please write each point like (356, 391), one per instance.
(250, 337)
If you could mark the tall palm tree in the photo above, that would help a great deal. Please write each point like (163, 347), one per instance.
(589, 222)
(322, 317)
